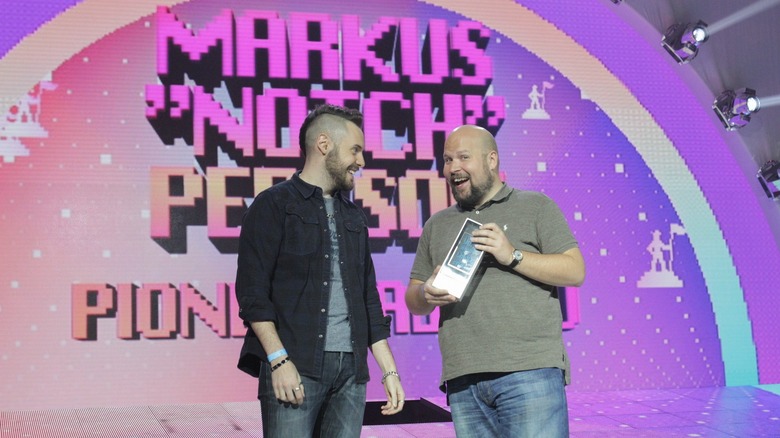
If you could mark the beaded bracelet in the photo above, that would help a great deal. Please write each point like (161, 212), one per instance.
(284, 361)
(390, 373)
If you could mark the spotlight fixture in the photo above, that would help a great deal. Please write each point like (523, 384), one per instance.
(682, 41)
(767, 175)
(734, 108)
(617, 2)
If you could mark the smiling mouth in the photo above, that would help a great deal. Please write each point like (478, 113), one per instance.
(458, 180)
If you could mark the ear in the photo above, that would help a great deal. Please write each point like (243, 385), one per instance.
(493, 159)
(323, 143)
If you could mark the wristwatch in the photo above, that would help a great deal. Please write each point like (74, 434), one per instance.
(517, 257)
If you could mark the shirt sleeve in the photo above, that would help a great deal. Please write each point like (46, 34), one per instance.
(422, 269)
(378, 322)
(262, 230)
(555, 236)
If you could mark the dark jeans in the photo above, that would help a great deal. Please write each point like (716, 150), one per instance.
(520, 404)
(333, 406)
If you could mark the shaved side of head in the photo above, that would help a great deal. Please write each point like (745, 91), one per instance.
(327, 119)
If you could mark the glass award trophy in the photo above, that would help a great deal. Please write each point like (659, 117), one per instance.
(461, 262)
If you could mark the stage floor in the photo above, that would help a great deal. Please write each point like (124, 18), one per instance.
(697, 412)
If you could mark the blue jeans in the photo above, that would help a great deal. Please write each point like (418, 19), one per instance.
(333, 405)
(519, 404)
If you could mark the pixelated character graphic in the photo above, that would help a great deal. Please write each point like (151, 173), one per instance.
(536, 111)
(661, 273)
(22, 120)
(656, 248)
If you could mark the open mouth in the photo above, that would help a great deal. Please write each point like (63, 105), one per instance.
(353, 171)
(458, 180)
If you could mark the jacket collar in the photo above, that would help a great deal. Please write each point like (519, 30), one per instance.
(308, 190)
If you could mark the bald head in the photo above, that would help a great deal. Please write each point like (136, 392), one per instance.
(472, 135)
(470, 165)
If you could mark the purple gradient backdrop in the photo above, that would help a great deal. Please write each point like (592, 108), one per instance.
(81, 202)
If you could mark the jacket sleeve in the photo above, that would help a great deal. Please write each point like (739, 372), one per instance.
(378, 323)
(260, 240)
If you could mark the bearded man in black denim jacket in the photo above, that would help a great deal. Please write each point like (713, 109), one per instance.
(306, 287)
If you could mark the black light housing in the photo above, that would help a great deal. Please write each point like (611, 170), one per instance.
(682, 40)
(767, 175)
(734, 108)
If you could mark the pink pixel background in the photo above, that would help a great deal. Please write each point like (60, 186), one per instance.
(78, 211)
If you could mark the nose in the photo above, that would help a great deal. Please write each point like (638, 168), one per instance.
(361, 162)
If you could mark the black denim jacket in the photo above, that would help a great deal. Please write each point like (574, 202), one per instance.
(284, 270)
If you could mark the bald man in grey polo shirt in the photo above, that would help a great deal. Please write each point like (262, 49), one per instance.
(504, 362)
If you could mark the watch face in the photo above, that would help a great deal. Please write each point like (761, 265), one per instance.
(517, 256)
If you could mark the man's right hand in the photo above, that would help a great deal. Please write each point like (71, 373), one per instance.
(422, 298)
(435, 296)
(287, 382)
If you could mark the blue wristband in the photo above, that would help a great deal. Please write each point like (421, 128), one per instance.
(276, 354)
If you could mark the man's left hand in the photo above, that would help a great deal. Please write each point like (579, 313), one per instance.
(491, 239)
(395, 396)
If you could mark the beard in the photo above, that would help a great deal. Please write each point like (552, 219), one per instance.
(342, 179)
(475, 196)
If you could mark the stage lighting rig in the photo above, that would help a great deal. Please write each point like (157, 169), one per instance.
(682, 40)
(767, 175)
(734, 108)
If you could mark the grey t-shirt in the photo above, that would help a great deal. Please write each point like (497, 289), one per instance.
(338, 336)
(505, 322)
